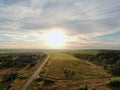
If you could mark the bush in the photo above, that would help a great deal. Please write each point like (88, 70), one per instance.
(69, 73)
(93, 89)
(40, 79)
(10, 77)
(114, 83)
(32, 64)
(49, 82)
(83, 88)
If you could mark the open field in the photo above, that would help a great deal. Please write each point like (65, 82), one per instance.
(93, 52)
(65, 70)
(85, 73)
(83, 69)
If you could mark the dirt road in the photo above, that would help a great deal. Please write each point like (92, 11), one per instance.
(35, 74)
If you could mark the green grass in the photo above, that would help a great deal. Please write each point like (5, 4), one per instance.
(93, 52)
(62, 56)
(115, 78)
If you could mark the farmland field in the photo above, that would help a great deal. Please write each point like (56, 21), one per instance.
(83, 73)
(93, 52)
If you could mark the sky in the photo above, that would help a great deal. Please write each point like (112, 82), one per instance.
(87, 24)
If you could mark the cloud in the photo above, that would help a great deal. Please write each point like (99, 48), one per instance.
(26, 20)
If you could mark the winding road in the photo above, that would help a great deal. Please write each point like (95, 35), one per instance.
(35, 74)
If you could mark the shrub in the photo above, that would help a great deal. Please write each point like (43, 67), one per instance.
(69, 73)
(10, 77)
(49, 82)
(83, 88)
(93, 89)
(40, 79)
(114, 83)
(32, 64)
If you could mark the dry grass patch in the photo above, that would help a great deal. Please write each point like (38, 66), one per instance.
(86, 73)
(83, 69)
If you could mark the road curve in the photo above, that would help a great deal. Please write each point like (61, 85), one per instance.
(35, 74)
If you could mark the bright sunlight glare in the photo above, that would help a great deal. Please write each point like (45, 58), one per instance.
(55, 38)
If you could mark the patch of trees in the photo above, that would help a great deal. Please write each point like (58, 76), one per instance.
(110, 60)
(19, 59)
(113, 68)
(69, 73)
(114, 83)
(46, 81)
(10, 77)
(32, 64)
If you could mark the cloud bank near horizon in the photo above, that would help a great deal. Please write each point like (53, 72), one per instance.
(87, 23)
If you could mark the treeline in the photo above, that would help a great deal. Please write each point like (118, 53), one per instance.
(110, 60)
(19, 59)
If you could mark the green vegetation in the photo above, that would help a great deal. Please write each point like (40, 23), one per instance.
(83, 88)
(15, 68)
(45, 82)
(62, 56)
(3, 85)
(1, 77)
(70, 72)
(48, 82)
(93, 52)
(63, 63)
(10, 77)
(114, 82)
(110, 60)
(76, 70)
(34, 86)
(18, 60)
(6, 51)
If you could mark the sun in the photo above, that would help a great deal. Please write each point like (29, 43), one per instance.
(55, 38)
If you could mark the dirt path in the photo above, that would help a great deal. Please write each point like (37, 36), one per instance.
(35, 74)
